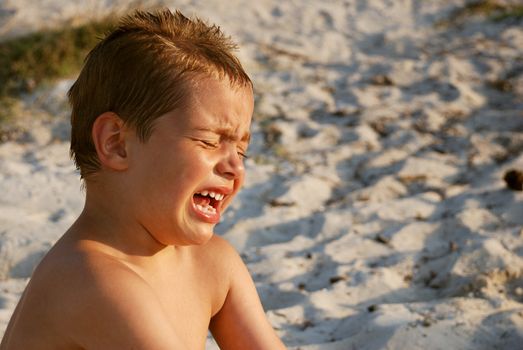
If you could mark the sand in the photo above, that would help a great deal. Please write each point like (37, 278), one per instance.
(374, 215)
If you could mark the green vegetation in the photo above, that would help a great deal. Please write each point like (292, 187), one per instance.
(27, 62)
(515, 12)
(493, 10)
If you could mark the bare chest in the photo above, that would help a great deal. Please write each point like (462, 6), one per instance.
(190, 298)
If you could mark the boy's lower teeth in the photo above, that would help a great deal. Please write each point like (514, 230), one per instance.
(207, 209)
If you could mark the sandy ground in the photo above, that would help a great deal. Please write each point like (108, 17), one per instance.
(375, 215)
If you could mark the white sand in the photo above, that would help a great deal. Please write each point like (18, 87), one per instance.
(374, 215)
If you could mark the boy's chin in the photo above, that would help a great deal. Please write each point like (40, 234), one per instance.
(203, 240)
(201, 236)
(194, 236)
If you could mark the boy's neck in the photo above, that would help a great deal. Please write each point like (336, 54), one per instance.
(106, 219)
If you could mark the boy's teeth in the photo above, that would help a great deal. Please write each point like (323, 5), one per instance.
(217, 196)
(207, 209)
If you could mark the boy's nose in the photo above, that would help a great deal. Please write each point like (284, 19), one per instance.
(231, 165)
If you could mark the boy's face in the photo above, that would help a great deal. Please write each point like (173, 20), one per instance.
(191, 167)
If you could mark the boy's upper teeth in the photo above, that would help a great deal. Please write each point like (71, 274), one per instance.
(217, 196)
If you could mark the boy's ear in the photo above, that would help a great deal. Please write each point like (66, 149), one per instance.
(109, 137)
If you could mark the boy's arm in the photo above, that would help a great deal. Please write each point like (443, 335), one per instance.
(118, 311)
(241, 322)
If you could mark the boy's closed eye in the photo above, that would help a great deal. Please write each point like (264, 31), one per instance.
(242, 154)
(211, 144)
(216, 144)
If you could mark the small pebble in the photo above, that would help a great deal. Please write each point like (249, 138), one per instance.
(335, 279)
(514, 179)
(382, 239)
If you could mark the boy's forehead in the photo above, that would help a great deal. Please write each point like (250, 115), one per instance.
(220, 106)
(224, 121)
(221, 89)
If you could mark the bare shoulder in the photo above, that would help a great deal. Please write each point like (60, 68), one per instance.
(72, 272)
(219, 258)
(240, 323)
(217, 263)
(99, 302)
(219, 251)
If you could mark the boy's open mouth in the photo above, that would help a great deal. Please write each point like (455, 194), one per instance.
(208, 202)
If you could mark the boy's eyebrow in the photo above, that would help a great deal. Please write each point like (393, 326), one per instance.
(227, 133)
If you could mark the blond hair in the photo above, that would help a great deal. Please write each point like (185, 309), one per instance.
(142, 70)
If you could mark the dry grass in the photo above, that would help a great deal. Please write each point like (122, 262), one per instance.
(29, 61)
(493, 10)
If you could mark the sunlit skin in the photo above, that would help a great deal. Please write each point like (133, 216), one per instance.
(141, 268)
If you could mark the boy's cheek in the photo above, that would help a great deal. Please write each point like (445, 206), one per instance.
(237, 187)
(239, 183)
